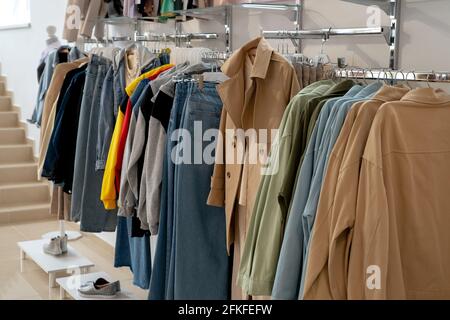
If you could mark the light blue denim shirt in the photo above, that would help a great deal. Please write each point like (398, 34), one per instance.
(287, 278)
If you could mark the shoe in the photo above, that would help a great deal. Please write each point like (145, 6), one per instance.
(101, 288)
(53, 247)
(57, 246)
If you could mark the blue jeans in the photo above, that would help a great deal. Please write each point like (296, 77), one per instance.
(87, 183)
(191, 260)
(160, 288)
(201, 260)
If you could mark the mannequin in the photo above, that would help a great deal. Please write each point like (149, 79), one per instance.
(52, 42)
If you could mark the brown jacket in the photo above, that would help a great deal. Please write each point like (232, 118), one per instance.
(260, 86)
(401, 236)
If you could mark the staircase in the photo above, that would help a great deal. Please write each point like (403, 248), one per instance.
(22, 196)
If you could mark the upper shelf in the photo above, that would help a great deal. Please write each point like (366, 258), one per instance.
(211, 13)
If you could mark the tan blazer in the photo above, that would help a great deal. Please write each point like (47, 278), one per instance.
(260, 86)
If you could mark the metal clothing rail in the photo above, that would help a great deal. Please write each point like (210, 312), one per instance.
(175, 37)
(393, 75)
(324, 34)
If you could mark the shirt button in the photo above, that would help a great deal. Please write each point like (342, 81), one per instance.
(228, 175)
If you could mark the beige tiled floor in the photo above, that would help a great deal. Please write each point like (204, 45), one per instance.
(32, 283)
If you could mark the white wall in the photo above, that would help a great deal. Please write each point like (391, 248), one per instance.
(20, 50)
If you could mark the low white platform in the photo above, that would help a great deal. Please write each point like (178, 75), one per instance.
(68, 286)
(70, 262)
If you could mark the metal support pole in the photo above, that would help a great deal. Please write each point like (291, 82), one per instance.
(394, 15)
(299, 23)
(228, 29)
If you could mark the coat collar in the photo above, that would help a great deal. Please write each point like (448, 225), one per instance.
(235, 64)
(233, 91)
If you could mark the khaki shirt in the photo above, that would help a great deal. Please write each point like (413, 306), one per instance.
(261, 84)
(401, 241)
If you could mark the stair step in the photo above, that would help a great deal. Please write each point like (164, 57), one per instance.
(2, 88)
(22, 213)
(5, 103)
(24, 193)
(17, 173)
(16, 154)
(9, 119)
(12, 136)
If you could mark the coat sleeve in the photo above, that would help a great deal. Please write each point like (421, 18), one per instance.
(368, 263)
(106, 122)
(217, 193)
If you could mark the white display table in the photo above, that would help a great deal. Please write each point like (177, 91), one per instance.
(70, 285)
(70, 262)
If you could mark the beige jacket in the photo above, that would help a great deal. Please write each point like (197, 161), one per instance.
(260, 86)
(401, 239)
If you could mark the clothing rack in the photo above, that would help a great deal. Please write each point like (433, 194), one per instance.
(173, 37)
(391, 33)
(393, 75)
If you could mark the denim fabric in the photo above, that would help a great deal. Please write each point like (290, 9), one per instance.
(119, 84)
(133, 252)
(107, 120)
(161, 285)
(199, 241)
(51, 61)
(86, 204)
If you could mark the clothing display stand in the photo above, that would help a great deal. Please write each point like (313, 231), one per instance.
(68, 286)
(391, 32)
(69, 262)
(71, 235)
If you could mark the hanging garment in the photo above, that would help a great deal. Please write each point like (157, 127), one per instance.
(150, 185)
(60, 203)
(264, 238)
(334, 124)
(360, 118)
(133, 252)
(65, 142)
(126, 202)
(55, 57)
(287, 279)
(402, 219)
(52, 100)
(254, 97)
(123, 74)
(162, 281)
(86, 206)
(110, 184)
(54, 127)
(307, 189)
(302, 138)
(199, 243)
